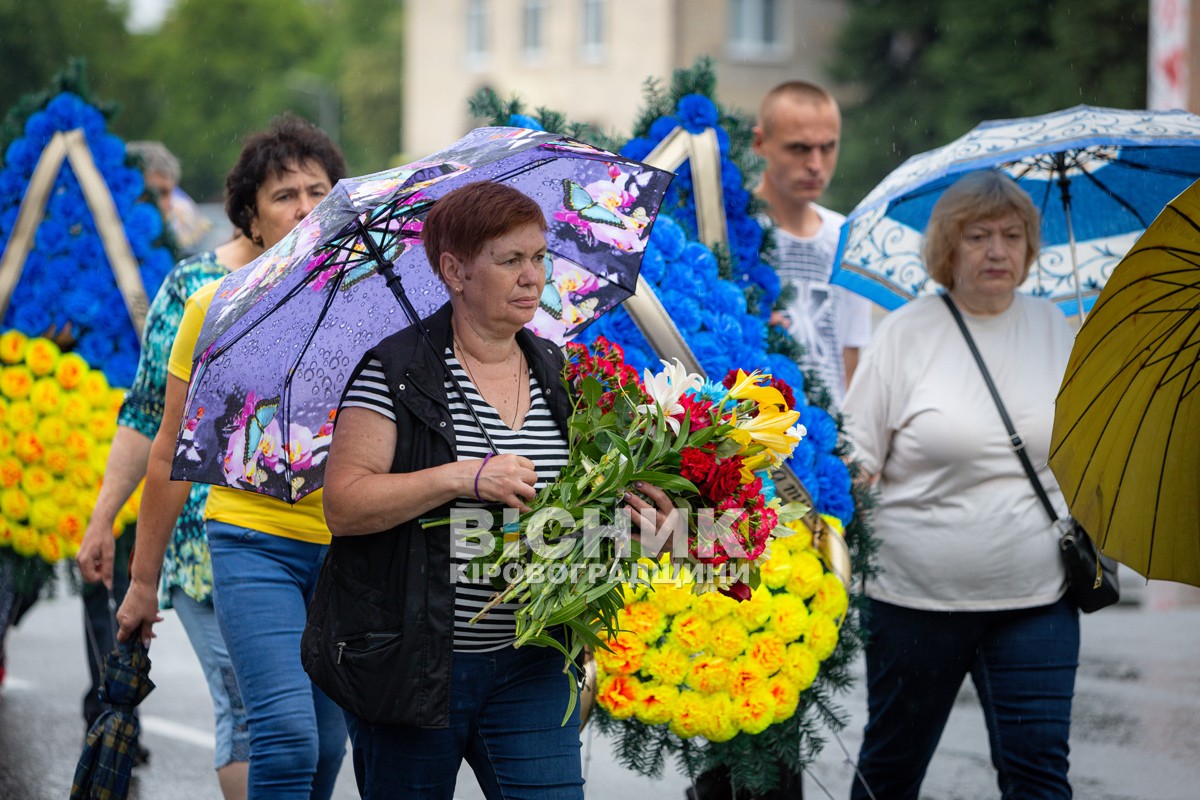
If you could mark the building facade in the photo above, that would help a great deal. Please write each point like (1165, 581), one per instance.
(590, 58)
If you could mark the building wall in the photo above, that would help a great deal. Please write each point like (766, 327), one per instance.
(644, 39)
(809, 31)
(606, 90)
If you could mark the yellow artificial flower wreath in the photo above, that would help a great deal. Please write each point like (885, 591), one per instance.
(713, 667)
(57, 419)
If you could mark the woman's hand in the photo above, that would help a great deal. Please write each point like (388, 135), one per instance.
(507, 479)
(659, 525)
(138, 612)
(96, 551)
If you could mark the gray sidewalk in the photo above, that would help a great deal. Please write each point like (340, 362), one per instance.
(1135, 736)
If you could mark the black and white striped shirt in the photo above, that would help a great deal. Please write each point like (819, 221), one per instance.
(538, 439)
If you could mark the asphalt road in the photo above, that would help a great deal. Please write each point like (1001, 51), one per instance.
(1135, 735)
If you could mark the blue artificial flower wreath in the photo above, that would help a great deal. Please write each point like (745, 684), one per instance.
(67, 277)
(712, 313)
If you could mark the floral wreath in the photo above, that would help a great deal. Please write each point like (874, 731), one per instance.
(58, 409)
(57, 419)
(721, 300)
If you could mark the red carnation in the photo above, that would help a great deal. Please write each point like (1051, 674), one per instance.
(739, 591)
(788, 396)
(721, 482)
(696, 463)
(701, 411)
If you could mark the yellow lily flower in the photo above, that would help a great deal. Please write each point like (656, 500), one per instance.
(769, 428)
(748, 387)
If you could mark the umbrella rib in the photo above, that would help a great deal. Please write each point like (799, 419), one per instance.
(1154, 170)
(295, 290)
(1121, 201)
(1185, 218)
(285, 401)
(1109, 421)
(1148, 342)
(1188, 369)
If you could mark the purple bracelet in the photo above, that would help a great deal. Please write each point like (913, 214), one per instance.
(486, 459)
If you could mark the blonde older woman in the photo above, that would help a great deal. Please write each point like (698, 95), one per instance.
(972, 581)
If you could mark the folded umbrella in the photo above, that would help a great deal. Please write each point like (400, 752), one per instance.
(109, 751)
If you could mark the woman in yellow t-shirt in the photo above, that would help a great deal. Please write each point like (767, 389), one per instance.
(266, 554)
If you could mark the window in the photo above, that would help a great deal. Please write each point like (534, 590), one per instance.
(592, 42)
(533, 21)
(756, 29)
(477, 39)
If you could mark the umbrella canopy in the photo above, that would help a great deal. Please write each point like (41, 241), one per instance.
(1127, 418)
(108, 753)
(284, 332)
(1098, 176)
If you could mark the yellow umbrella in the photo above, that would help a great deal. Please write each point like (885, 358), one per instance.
(1126, 441)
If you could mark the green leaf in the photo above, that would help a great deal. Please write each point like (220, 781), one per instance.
(790, 512)
(591, 390)
(665, 481)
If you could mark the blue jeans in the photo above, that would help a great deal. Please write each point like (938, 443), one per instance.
(232, 741)
(506, 720)
(1022, 663)
(261, 588)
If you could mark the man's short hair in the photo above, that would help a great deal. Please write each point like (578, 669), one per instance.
(798, 91)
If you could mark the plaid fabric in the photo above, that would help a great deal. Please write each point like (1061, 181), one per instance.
(108, 753)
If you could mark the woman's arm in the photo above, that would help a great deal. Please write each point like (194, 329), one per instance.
(162, 502)
(125, 467)
(137, 423)
(363, 496)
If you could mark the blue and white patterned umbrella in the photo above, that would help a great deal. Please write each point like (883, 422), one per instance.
(1099, 176)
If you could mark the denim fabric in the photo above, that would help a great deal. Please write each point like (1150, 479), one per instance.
(200, 623)
(506, 720)
(262, 584)
(1023, 665)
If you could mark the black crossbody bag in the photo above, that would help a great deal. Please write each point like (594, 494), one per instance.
(1091, 577)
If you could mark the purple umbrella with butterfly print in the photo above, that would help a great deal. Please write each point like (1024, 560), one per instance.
(284, 332)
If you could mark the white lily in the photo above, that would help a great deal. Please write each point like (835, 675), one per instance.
(666, 388)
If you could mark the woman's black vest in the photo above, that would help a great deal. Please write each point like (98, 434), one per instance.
(379, 638)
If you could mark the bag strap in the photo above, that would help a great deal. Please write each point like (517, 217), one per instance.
(1014, 439)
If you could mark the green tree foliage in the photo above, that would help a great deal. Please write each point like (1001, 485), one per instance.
(38, 38)
(929, 72)
(216, 71)
(362, 54)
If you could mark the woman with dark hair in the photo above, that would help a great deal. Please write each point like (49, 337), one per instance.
(389, 630)
(971, 581)
(242, 597)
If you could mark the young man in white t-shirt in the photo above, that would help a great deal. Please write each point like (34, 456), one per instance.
(799, 127)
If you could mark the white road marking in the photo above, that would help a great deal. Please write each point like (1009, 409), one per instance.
(160, 726)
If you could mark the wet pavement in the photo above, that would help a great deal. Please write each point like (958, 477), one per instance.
(1135, 726)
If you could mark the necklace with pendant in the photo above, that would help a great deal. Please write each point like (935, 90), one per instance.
(458, 346)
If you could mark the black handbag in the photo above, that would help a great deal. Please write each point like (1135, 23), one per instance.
(1091, 578)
